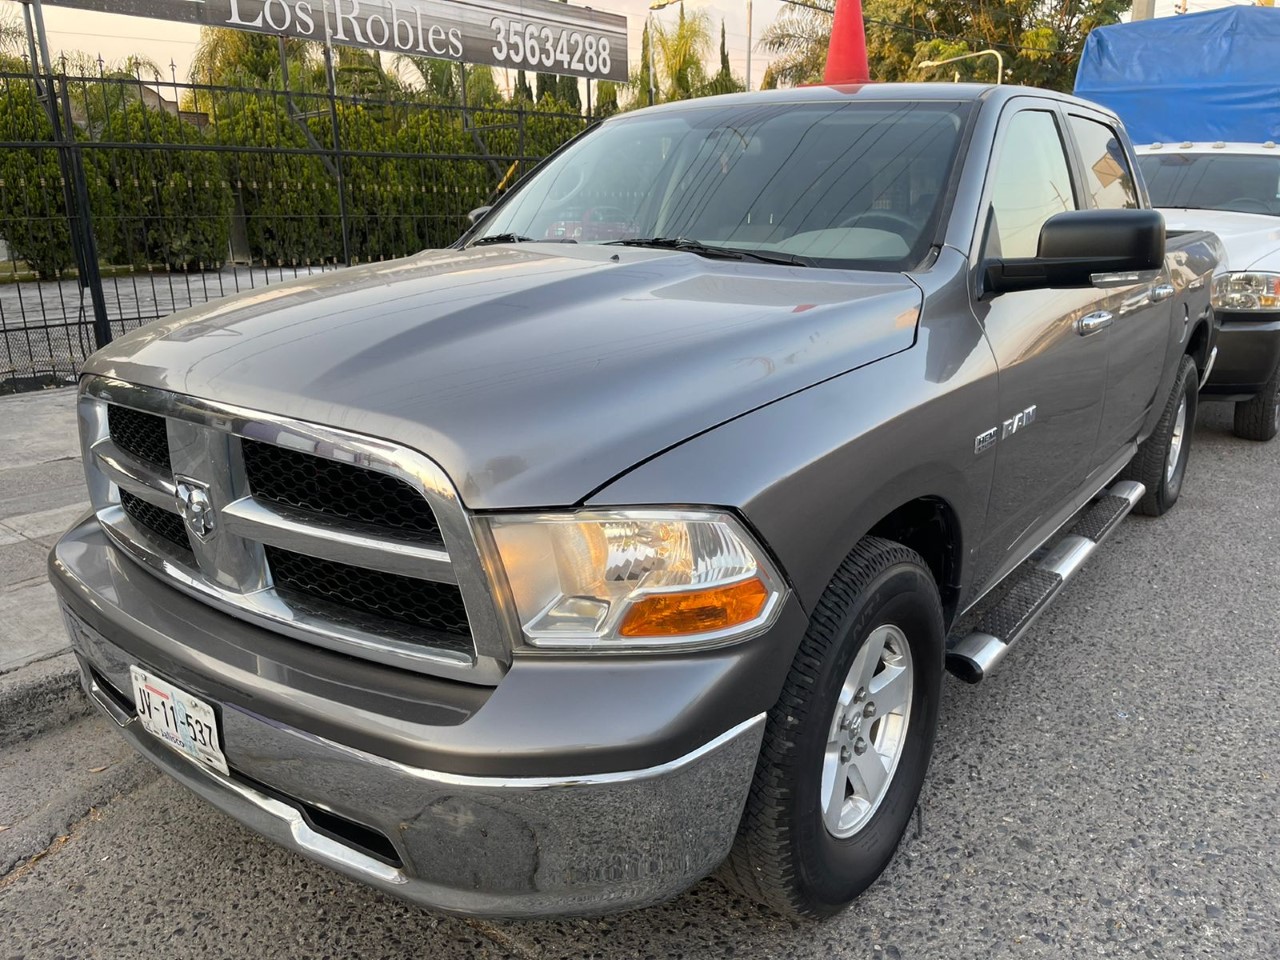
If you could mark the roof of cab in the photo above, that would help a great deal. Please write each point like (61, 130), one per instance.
(924, 92)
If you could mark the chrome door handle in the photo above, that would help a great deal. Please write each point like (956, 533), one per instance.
(1163, 292)
(1093, 322)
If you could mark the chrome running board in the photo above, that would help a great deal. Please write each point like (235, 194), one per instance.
(974, 656)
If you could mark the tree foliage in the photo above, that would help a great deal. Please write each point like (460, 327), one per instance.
(724, 81)
(1039, 40)
(681, 51)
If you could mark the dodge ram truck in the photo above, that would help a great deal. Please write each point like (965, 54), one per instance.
(630, 538)
(1232, 189)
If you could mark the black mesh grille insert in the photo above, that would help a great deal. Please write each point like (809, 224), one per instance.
(160, 522)
(141, 434)
(336, 489)
(435, 607)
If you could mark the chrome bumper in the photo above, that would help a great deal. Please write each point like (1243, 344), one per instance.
(572, 787)
(480, 846)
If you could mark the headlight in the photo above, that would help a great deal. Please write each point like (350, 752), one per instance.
(1247, 291)
(634, 579)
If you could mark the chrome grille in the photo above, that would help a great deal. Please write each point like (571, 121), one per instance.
(436, 607)
(161, 522)
(336, 489)
(142, 435)
(373, 556)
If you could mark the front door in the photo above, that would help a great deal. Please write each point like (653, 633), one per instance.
(1050, 349)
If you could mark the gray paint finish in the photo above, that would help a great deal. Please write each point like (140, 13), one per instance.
(531, 374)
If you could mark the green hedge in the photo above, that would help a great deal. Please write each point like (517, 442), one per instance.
(440, 193)
(177, 207)
(33, 212)
(169, 207)
(289, 200)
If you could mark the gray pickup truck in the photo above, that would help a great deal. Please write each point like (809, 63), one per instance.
(630, 538)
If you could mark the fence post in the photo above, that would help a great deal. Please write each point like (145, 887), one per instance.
(44, 94)
(78, 212)
(83, 219)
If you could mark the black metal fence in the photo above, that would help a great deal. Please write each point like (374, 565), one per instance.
(123, 200)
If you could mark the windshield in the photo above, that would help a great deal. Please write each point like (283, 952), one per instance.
(832, 184)
(1243, 183)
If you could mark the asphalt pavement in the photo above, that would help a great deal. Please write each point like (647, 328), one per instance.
(1113, 792)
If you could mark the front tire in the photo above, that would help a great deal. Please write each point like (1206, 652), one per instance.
(1259, 418)
(847, 745)
(1161, 461)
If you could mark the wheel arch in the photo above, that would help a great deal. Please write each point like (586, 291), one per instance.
(930, 526)
(1198, 344)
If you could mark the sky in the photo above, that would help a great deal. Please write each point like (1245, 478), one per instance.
(116, 37)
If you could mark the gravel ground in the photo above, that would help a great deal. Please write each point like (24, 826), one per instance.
(1112, 792)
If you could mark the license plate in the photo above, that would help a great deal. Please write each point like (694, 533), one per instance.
(181, 720)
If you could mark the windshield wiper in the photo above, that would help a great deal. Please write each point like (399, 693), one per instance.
(519, 238)
(501, 238)
(707, 250)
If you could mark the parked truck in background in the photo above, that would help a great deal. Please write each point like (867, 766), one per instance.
(1201, 97)
(629, 539)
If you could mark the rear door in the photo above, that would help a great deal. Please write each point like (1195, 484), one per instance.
(1140, 305)
(1052, 359)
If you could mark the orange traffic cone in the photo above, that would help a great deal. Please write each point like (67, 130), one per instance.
(847, 52)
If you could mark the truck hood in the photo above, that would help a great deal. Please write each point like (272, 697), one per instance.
(1252, 240)
(533, 373)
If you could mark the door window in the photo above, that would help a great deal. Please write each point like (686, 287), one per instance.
(1107, 177)
(1031, 184)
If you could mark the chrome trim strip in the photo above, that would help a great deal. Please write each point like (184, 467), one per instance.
(1208, 367)
(256, 520)
(290, 619)
(539, 783)
(130, 474)
(317, 844)
(199, 434)
(104, 700)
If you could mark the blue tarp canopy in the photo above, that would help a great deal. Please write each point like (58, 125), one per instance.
(1203, 76)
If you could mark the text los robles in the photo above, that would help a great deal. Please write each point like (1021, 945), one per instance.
(403, 28)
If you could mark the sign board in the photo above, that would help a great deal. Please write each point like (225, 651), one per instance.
(541, 36)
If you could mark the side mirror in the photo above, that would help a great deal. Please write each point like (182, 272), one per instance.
(1076, 245)
(475, 215)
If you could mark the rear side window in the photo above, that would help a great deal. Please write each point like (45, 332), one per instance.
(1107, 177)
(1031, 183)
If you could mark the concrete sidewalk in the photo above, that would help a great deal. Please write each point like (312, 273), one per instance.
(41, 493)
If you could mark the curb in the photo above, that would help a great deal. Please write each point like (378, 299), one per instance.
(39, 697)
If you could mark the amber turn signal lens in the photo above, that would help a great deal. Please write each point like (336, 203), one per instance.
(693, 612)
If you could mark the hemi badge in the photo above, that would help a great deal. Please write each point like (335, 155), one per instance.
(986, 440)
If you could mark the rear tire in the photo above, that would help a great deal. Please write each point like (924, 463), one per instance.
(1259, 418)
(809, 841)
(1161, 461)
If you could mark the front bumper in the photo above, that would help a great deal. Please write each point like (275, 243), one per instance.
(1248, 353)
(501, 844)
